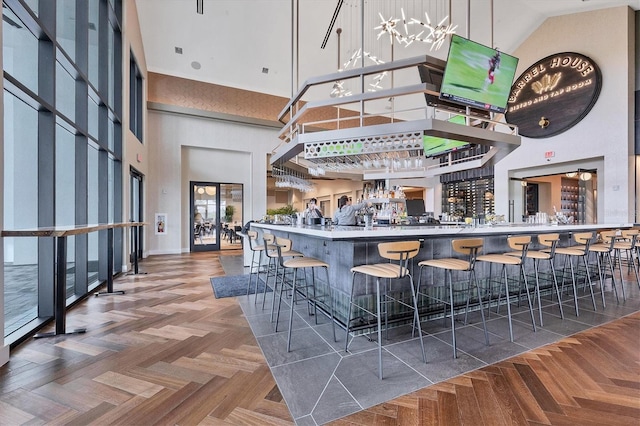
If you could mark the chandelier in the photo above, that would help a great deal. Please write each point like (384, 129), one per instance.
(361, 27)
(436, 35)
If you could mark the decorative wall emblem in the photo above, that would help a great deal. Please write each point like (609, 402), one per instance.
(554, 94)
(546, 84)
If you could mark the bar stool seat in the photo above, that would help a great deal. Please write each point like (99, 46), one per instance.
(521, 242)
(398, 253)
(381, 271)
(453, 264)
(469, 247)
(308, 291)
(500, 258)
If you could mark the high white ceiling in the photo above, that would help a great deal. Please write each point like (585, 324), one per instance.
(235, 39)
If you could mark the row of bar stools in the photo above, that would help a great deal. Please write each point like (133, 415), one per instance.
(398, 254)
(469, 247)
(308, 291)
(520, 243)
(550, 243)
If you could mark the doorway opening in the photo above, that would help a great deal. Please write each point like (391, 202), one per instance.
(570, 197)
(216, 216)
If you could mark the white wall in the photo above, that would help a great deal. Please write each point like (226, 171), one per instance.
(604, 138)
(184, 148)
(136, 154)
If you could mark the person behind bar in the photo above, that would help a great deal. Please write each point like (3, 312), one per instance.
(312, 211)
(346, 213)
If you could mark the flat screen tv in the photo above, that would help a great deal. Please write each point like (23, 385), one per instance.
(477, 75)
(434, 145)
(415, 208)
(434, 77)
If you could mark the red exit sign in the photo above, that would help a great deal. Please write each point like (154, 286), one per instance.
(549, 154)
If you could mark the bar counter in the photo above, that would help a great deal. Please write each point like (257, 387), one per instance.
(343, 247)
(401, 232)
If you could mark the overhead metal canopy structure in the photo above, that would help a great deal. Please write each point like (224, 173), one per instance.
(359, 126)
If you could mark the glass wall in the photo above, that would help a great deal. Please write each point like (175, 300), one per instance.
(62, 147)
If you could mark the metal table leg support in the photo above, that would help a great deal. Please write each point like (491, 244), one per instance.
(135, 230)
(110, 267)
(60, 291)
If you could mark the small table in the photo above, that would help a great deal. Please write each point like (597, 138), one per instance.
(60, 234)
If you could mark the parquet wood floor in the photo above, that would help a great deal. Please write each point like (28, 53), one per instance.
(167, 352)
(591, 378)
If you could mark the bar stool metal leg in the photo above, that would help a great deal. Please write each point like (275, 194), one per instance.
(535, 269)
(555, 283)
(379, 328)
(506, 284)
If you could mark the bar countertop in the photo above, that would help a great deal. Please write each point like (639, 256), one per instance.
(385, 232)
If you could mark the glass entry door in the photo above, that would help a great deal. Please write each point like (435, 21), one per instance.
(216, 216)
(135, 212)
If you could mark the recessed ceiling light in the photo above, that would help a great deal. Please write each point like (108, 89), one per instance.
(265, 70)
(196, 65)
(178, 50)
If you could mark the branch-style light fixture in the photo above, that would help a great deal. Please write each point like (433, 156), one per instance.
(436, 36)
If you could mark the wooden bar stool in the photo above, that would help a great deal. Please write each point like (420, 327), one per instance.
(603, 250)
(256, 249)
(628, 244)
(469, 247)
(398, 253)
(578, 251)
(272, 270)
(307, 291)
(269, 251)
(550, 242)
(515, 242)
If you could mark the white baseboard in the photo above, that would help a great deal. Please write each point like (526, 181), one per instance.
(4, 355)
(157, 252)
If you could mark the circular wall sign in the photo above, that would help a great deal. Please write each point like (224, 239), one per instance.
(553, 95)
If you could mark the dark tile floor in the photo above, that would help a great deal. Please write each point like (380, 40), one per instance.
(321, 382)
